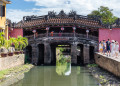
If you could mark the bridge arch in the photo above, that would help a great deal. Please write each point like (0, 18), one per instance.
(28, 54)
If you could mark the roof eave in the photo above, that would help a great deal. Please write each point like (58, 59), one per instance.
(7, 2)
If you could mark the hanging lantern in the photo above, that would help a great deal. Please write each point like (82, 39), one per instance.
(74, 28)
(87, 31)
(62, 28)
(34, 31)
(47, 28)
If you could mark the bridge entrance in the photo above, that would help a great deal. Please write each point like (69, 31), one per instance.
(55, 51)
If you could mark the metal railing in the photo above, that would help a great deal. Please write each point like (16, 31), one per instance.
(62, 35)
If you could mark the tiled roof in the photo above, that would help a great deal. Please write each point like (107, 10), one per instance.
(60, 21)
(63, 19)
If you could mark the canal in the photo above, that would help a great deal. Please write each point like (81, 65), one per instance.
(63, 74)
(49, 76)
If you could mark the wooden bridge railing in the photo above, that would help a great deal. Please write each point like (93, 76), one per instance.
(63, 35)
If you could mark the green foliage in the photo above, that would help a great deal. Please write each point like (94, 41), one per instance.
(13, 41)
(92, 65)
(22, 42)
(14, 70)
(2, 39)
(3, 73)
(105, 13)
(62, 63)
(19, 43)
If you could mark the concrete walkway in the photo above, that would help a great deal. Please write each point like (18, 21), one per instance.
(111, 64)
(111, 57)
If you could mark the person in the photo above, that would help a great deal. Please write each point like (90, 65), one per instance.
(113, 48)
(60, 33)
(36, 34)
(116, 49)
(101, 47)
(52, 33)
(104, 47)
(108, 47)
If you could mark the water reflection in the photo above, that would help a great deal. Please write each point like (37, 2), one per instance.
(63, 74)
(63, 66)
(63, 63)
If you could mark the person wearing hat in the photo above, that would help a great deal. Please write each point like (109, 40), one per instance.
(104, 47)
(101, 47)
(116, 49)
(113, 48)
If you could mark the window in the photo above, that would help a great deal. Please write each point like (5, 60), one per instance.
(2, 11)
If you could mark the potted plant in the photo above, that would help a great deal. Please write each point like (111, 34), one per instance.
(11, 51)
(23, 42)
(3, 49)
(4, 52)
(14, 43)
(19, 43)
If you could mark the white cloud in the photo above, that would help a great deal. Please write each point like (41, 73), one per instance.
(83, 7)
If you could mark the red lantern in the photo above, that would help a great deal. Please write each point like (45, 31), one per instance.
(74, 28)
(62, 28)
(47, 28)
(34, 31)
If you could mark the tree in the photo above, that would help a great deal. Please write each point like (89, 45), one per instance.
(105, 13)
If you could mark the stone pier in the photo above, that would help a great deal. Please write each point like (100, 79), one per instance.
(86, 55)
(34, 54)
(47, 54)
(74, 54)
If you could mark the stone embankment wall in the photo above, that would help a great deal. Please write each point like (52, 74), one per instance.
(11, 61)
(109, 64)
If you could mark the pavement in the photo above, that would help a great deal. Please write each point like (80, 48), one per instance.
(111, 57)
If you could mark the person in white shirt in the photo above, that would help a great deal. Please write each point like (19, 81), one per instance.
(116, 49)
(101, 47)
(113, 48)
(104, 47)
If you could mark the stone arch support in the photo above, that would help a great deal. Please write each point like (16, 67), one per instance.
(86, 53)
(34, 54)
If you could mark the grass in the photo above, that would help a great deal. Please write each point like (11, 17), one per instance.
(92, 65)
(17, 69)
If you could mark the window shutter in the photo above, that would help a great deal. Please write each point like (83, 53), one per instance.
(0, 10)
(3, 11)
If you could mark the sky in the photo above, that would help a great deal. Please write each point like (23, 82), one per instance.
(19, 8)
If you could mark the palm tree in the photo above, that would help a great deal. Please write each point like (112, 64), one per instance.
(22, 41)
(13, 42)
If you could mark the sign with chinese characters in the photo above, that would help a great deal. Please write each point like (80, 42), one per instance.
(60, 39)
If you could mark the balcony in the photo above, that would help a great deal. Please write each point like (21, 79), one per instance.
(62, 36)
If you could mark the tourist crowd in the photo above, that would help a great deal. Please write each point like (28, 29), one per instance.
(111, 48)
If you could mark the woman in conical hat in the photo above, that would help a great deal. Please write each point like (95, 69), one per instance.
(113, 48)
(116, 49)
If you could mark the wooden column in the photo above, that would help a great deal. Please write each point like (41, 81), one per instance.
(86, 56)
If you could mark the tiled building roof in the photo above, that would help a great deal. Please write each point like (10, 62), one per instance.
(59, 21)
(62, 19)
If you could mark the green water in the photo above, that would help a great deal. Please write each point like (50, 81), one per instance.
(63, 74)
(49, 76)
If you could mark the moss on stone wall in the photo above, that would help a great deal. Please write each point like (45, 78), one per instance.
(4, 74)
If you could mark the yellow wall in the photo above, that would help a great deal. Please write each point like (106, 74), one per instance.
(2, 20)
(3, 24)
